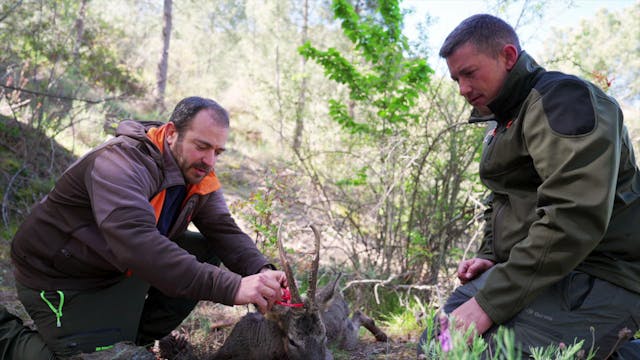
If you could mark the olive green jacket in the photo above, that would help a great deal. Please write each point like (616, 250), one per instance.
(565, 189)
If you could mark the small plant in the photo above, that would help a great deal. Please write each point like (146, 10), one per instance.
(409, 319)
(459, 348)
(561, 352)
(259, 209)
(465, 346)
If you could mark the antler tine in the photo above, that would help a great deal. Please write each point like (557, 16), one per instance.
(293, 288)
(313, 276)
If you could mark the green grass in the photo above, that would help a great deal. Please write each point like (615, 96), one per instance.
(409, 319)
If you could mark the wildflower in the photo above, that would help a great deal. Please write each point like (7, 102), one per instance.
(445, 340)
(445, 336)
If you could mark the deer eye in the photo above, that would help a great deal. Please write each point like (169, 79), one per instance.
(292, 343)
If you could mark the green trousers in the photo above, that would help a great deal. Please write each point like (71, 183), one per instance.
(70, 322)
(579, 307)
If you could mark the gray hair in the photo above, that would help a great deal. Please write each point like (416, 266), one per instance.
(489, 34)
(187, 109)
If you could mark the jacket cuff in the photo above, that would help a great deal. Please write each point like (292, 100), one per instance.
(267, 266)
(225, 287)
(489, 257)
(256, 268)
(496, 316)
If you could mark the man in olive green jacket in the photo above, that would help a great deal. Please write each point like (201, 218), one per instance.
(561, 252)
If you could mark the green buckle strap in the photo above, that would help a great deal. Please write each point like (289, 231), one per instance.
(103, 348)
(57, 312)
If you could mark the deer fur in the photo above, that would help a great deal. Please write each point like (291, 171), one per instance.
(342, 330)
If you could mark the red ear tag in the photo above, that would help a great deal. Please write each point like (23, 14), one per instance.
(286, 299)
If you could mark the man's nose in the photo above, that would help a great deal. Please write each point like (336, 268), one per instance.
(209, 158)
(464, 87)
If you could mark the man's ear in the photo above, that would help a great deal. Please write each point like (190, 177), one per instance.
(510, 54)
(172, 133)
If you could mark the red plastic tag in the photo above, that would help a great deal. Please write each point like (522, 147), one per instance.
(286, 299)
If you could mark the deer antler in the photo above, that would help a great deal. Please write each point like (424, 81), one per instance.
(295, 294)
(313, 276)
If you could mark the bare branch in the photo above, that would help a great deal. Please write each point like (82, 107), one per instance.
(64, 97)
(5, 15)
(5, 198)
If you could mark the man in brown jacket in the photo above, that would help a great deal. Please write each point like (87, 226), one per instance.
(106, 256)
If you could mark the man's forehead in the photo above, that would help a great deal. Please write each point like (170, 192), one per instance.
(207, 132)
(464, 56)
(206, 121)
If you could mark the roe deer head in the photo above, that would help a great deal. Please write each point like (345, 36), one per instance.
(285, 332)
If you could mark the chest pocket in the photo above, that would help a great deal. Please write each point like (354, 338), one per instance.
(506, 163)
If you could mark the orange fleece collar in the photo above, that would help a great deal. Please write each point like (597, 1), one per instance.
(210, 182)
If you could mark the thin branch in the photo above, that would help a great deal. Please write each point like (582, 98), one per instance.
(523, 10)
(5, 15)
(374, 281)
(38, 93)
(5, 198)
(387, 284)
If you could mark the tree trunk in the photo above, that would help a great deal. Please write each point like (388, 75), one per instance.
(79, 30)
(164, 56)
(297, 135)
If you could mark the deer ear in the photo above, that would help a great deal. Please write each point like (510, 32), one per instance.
(327, 293)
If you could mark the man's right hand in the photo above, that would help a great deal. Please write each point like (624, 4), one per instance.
(261, 289)
(472, 268)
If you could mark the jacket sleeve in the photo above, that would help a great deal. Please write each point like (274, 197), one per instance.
(573, 138)
(234, 247)
(119, 185)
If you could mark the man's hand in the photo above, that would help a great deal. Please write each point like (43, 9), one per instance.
(472, 268)
(261, 289)
(471, 313)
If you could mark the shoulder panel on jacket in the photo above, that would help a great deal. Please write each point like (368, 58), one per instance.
(566, 101)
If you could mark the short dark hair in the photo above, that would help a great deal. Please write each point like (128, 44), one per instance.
(489, 34)
(187, 109)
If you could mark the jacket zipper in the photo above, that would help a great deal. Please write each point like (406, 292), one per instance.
(182, 222)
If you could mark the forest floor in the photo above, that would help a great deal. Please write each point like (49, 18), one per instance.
(209, 324)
